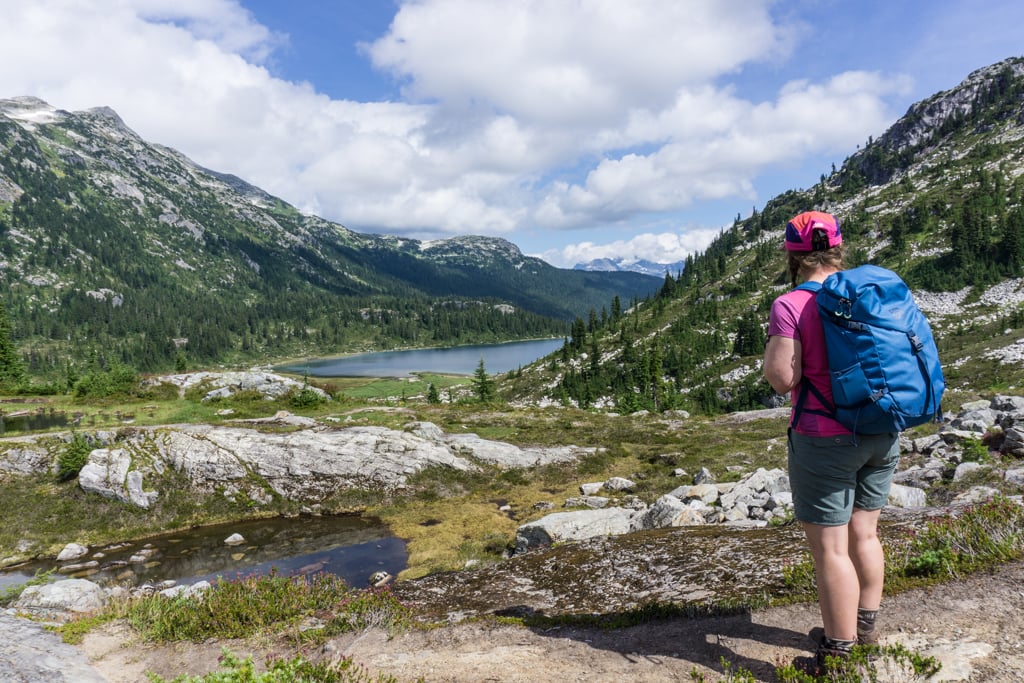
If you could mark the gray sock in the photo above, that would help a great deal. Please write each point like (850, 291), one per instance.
(866, 619)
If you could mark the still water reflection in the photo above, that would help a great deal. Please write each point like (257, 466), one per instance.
(349, 546)
(27, 421)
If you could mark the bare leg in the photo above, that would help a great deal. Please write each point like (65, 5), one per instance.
(867, 556)
(838, 583)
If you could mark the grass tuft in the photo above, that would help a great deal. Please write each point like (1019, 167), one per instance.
(257, 605)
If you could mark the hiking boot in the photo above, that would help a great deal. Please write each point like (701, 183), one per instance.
(818, 664)
(867, 634)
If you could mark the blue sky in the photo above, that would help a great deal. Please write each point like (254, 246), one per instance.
(576, 129)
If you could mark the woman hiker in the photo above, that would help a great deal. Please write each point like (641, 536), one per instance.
(839, 483)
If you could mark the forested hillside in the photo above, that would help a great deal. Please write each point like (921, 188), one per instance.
(939, 198)
(117, 250)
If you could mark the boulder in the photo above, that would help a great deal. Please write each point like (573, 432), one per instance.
(907, 496)
(926, 443)
(573, 526)
(619, 484)
(918, 476)
(705, 493)
(965, 468)
(234, 539)
(1013, 441)
(69, 595)
(665, 512)
(979, 420)
(1014, 476)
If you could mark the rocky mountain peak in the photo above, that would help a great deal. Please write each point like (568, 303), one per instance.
(925, 118)
(106, 116)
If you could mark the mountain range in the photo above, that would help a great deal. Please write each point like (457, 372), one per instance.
(658, 270)
(118, 249)
(116, 246)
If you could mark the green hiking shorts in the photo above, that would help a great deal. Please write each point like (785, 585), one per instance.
(829, 476)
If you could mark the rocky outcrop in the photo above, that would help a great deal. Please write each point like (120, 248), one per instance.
(109, 473)
(754, 501)
(224, 384)
(301, 459)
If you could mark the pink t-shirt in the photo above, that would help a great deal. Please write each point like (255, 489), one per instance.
(795, 316)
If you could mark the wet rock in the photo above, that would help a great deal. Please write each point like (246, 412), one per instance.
(380, 578)
(234, 539)
(72, 551)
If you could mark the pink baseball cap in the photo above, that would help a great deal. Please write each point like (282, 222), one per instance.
(813, 231)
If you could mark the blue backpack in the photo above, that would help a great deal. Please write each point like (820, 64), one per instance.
(882, 358)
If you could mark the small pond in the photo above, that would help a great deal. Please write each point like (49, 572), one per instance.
(351, 547)
(31, 420)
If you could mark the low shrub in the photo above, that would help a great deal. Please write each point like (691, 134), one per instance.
(72, 459)
(981, 536)
(865, 663)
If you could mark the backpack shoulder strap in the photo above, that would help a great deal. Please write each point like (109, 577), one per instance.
(809, 286)
(806, 386)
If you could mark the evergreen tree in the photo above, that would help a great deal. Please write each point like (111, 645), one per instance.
(433, 397)
(579, 334)
(483, 385)
(12, 371)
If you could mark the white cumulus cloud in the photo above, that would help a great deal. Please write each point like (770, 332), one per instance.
(665, 247)
(517, 117)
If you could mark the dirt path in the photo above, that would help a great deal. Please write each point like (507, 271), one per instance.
(975, 627)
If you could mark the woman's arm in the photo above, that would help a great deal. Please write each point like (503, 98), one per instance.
(782, 366)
